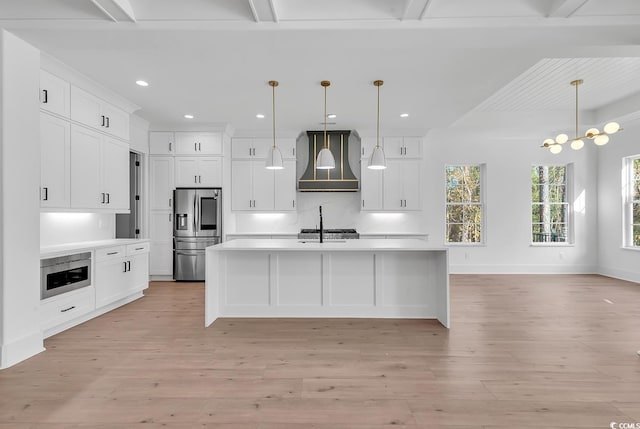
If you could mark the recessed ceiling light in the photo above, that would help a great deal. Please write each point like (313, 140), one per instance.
(260, 116)
(142, 83)
(331, 115)
(188, 116)
(404, 115)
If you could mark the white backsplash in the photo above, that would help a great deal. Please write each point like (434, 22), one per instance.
(62, 228)
(339, 210)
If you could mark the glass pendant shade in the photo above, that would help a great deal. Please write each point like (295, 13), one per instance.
(325, 160)
(377, 160)
(601, 140)
(555, 149)
(274, 159)
(577, 144)
(612, 127)
(562, 138)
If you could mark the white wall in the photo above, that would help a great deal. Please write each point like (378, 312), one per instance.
(20, 334)
(62, 228)
(614, 260)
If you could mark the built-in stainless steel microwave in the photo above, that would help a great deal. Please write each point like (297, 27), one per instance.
(64, 273)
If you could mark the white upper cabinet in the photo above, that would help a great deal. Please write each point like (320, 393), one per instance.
(402, 147)
(285, 186)
(55, 159)
(162, 143)
(253, 148)
(98, 114)
(162, 182)
(288, 147)
(366, 146)
(191, 143)
(255, 188)
(401, 189)
(370, 188)
(99, 171)
(54, 94)
(198, 172)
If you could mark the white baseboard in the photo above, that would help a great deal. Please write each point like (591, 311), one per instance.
(522, 269)
(156, 278)
(24, 348)
(630, 276)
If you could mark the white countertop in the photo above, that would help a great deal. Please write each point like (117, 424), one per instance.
(86, 246)
(330, 245)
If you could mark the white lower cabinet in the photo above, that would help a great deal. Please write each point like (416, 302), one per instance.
(61, 309)
(161, 233)
(121, 271)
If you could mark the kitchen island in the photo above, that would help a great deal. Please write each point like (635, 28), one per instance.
(378, 278)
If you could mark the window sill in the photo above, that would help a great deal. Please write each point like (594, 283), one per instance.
(633, 249)
(465, 244)
(552, 245)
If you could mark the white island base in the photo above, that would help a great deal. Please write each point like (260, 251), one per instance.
(382, 278)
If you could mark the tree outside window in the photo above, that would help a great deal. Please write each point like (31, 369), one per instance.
(464, 217)
(632, 197)
(549, 204)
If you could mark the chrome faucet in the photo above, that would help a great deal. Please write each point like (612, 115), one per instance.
(321, 228)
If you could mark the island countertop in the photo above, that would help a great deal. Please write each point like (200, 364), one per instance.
(330, 245)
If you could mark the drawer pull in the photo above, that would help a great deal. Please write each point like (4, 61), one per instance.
(112, 253)
(139, 248)
(67, 309)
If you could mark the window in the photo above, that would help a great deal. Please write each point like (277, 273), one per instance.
(550, 214)
(632, 202)
(464, 218)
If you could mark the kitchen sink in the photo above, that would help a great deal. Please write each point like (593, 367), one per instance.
(325, 241)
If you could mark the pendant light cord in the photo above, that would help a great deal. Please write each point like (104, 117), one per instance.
(325, 117)
(577, 85)
(273, 109)
(378, 120)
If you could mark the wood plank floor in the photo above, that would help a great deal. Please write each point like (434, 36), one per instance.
(524, 351)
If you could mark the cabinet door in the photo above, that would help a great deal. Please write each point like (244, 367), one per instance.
(261, 148)
(54, 94)
(116, 121)
(366, 146)
(263, 182)
(285, 186)
(86, 108)
(55, 157)
(393, 147)
(186, 172)
(162, 184)
(411, 181)
(241, 185)
(115, 173)
(393, 198)
(241, 148)
(161, 259)
(161, 229)
(161, 143)
(287, 147)
(138, 275)
(370, 188)
(209, 143)
(85, 168)
(412, 147)
(186, 144)
(210, 172)
(110, 281)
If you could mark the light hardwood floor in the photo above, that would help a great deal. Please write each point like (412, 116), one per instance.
(524, 351)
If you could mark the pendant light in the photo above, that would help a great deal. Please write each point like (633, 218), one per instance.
(377, 160)
(274, 156)
(325, 160)
(599, 138)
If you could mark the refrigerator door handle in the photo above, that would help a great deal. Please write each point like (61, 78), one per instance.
(195, 214)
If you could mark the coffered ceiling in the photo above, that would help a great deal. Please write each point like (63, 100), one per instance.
(448, 63)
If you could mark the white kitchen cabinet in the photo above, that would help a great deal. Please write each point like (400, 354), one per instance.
(66, 307)
(401, 185)
(55, 159)
(252, 186)
(285, 186)
(98, 114)
(161, 235)
(198, 172)
(366, 146)
(54, 94)
(121, 271)
(288, 147)
(162, 143)
(249, 148)
(191, 143)
(370, 188)
(99, 171)
(162, 182)
(402, 147)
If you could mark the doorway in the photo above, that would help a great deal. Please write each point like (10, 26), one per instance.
(128, 224)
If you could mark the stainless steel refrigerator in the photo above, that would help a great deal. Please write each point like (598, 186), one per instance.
(197, 224)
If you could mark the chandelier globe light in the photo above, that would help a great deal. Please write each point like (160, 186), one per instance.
(325, 159)
(599, 138)
(377, 161)
(274, 156)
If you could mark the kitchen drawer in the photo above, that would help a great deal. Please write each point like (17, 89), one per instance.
(136, 248)
(68, 306)
(110, 253)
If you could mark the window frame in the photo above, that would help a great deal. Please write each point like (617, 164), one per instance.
(628, 184)
(480, 203)
(569, 202)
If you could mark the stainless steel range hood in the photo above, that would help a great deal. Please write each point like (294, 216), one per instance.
(339, 179)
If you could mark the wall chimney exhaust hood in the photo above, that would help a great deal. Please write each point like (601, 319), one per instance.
(339, 179)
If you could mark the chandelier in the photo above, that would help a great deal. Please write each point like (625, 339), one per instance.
(600, 138)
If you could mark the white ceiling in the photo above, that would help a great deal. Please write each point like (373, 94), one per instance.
(460, 63)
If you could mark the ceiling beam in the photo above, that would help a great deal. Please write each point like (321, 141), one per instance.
(263, 10)
(415, 9)
(116, 10)
(565, 8)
